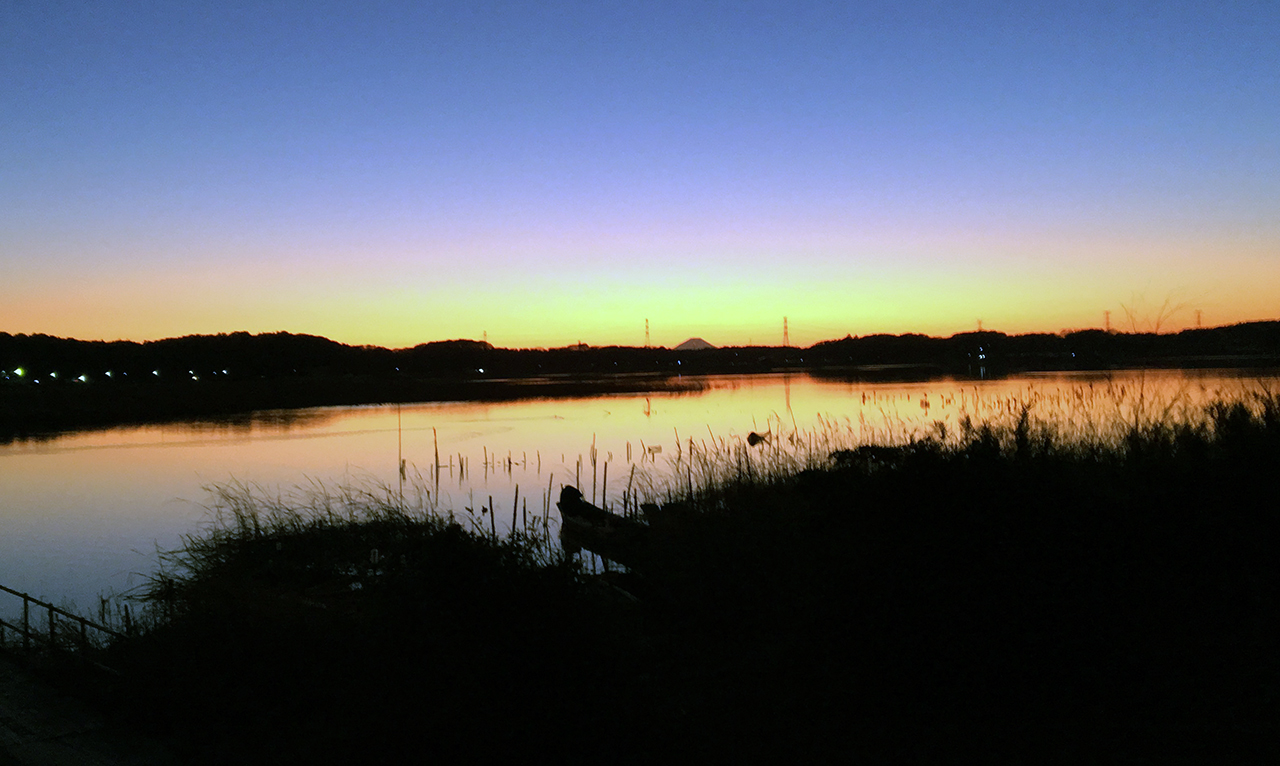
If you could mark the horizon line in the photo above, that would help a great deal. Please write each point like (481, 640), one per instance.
(848, 336)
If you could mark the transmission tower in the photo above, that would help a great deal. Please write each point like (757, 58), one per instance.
(646, 333)
(786, 337)
(1106, 319)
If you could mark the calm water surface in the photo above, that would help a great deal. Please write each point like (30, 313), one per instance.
(86, 512)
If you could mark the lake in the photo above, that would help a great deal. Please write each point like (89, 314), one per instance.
(85, 513)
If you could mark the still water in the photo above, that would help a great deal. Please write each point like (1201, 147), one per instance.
(85, 513)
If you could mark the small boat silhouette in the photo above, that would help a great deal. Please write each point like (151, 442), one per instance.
(585, 526)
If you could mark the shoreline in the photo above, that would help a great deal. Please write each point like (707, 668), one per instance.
(1111, 597)
(37, 412)
(30, 414)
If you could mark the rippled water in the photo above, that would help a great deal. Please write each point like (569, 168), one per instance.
(85, 513)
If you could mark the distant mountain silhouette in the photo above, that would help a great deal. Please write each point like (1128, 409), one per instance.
(695, 344)
(460, 344)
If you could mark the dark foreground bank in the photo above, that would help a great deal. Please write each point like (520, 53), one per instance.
(1014, 597)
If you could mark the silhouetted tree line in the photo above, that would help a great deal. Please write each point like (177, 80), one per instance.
(67, 383)
(240, 356)
(1242, 345)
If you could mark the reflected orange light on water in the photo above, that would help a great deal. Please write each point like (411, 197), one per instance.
(84, 512)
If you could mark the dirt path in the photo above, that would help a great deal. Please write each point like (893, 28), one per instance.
(41, 727)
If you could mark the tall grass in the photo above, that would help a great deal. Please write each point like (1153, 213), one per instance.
(320, 543)
(1112, 421)
(328, 540)
(998, 582)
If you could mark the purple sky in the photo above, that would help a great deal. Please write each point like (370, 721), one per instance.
(394, 173)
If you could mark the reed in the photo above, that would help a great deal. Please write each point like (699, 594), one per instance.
(319, 536)
(1111, 587)
(1115, 421)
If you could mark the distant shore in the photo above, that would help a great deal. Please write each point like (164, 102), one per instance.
(34, 412)
(49, 385)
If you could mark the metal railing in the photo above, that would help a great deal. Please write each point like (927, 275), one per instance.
(62, 631)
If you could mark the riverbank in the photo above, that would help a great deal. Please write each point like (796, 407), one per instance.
(52, 384)
(1007, 593)
(34, 412)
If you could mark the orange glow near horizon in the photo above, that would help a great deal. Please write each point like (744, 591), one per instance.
(609, 307)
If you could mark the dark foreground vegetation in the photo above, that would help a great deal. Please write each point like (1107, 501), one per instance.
(1008, 595)
(49, 384)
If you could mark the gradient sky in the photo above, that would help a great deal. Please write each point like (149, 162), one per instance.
(398, 172)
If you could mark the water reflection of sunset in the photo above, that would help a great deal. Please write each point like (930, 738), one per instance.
(104, 499)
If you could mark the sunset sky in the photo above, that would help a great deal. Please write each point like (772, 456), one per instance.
(398, 172)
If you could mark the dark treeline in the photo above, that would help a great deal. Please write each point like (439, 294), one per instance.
(241, 355)
(51, 383)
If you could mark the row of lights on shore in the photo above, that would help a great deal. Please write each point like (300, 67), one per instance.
(21, 372)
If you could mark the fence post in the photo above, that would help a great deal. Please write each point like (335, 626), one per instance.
(68, 641)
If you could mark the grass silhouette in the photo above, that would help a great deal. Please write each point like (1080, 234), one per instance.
(1001, 589)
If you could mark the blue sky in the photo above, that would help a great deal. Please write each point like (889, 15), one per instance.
(546, 173)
